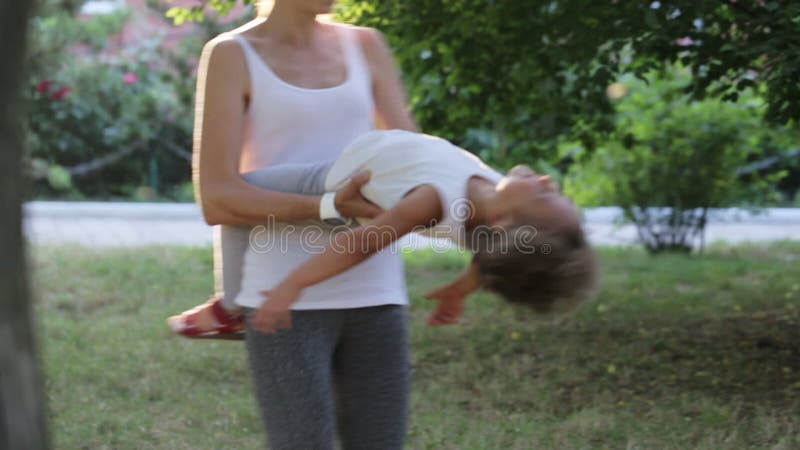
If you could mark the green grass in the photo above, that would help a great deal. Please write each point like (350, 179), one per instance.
(677, 352)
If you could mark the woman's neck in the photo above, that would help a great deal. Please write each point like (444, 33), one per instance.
(290, 25)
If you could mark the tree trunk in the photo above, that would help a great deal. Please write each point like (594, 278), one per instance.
(22, 424)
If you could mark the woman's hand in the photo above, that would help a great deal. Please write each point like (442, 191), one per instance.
(274, 314)
(349, 201)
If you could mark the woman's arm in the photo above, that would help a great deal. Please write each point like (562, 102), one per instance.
(221, 100)
(421, 208)
(223, 88)
(391, 102)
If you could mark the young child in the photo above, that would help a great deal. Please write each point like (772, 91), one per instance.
(526, 237)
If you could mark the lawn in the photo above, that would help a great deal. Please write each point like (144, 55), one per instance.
(676, 352)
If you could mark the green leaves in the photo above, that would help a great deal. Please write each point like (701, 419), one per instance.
(486, 72)
(93, 124)
(59, 178)
(488, 66)
(196, 13)
(181, 15)
(670, 159)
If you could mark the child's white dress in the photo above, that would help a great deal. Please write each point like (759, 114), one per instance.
(398, 162)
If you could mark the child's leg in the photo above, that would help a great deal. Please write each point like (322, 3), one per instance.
(308, 179)
(218, 317)
(230, 245)
(230, 242)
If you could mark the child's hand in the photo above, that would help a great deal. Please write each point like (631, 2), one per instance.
(274, 314)
(451, 304)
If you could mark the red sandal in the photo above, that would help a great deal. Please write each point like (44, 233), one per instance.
(226, 326)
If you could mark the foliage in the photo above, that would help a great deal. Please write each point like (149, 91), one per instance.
(54, 30)
(105, 120)
(111, 116)
(730, 46)
(523, 73)
(670, 159)
(675, 353)
(506, 77)
(104, 123)
(511, 78)
(197, 13)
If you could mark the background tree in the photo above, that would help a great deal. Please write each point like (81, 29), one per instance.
(22, 423)
(507, 77)
(514, 77)
(730, 45)
(532, 71)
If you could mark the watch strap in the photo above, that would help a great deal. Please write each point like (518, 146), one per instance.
(327, 207)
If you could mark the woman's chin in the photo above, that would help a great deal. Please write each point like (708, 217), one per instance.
(324, 6)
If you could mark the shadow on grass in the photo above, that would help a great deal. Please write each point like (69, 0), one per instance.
(723, 327)
(751, 359)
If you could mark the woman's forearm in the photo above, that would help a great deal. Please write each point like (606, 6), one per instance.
(240, 203)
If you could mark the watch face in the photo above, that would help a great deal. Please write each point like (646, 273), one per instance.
(334, 221)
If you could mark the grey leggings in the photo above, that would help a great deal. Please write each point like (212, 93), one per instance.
(344, 370)
(231, 241)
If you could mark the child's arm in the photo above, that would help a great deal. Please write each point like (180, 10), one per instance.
(421, 208)
(451, 296)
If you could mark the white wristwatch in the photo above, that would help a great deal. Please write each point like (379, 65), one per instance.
(327, 210)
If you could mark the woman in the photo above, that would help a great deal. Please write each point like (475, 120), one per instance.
(291, 89)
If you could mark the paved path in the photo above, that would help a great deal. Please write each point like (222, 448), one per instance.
(98, 224)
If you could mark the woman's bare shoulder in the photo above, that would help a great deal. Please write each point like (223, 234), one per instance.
(224, 50)
(373, 43)
(367, 36)
(224, 64)
(225, 43)
(245, 30)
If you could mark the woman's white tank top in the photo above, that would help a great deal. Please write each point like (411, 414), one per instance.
(290, 124)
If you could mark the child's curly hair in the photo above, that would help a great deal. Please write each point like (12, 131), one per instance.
(548, 270)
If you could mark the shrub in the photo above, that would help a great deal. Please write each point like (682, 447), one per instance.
(670, 160)
(102, 120)
(103, 124)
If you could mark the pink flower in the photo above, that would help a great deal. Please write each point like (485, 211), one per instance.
(685, 41)
(130, 78)
(44, 86)
(61, 93)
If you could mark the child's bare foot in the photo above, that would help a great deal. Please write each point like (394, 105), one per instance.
(209, 320)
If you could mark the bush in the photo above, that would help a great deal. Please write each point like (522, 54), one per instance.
(103, 124)
(105, 121)
(670, 160)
